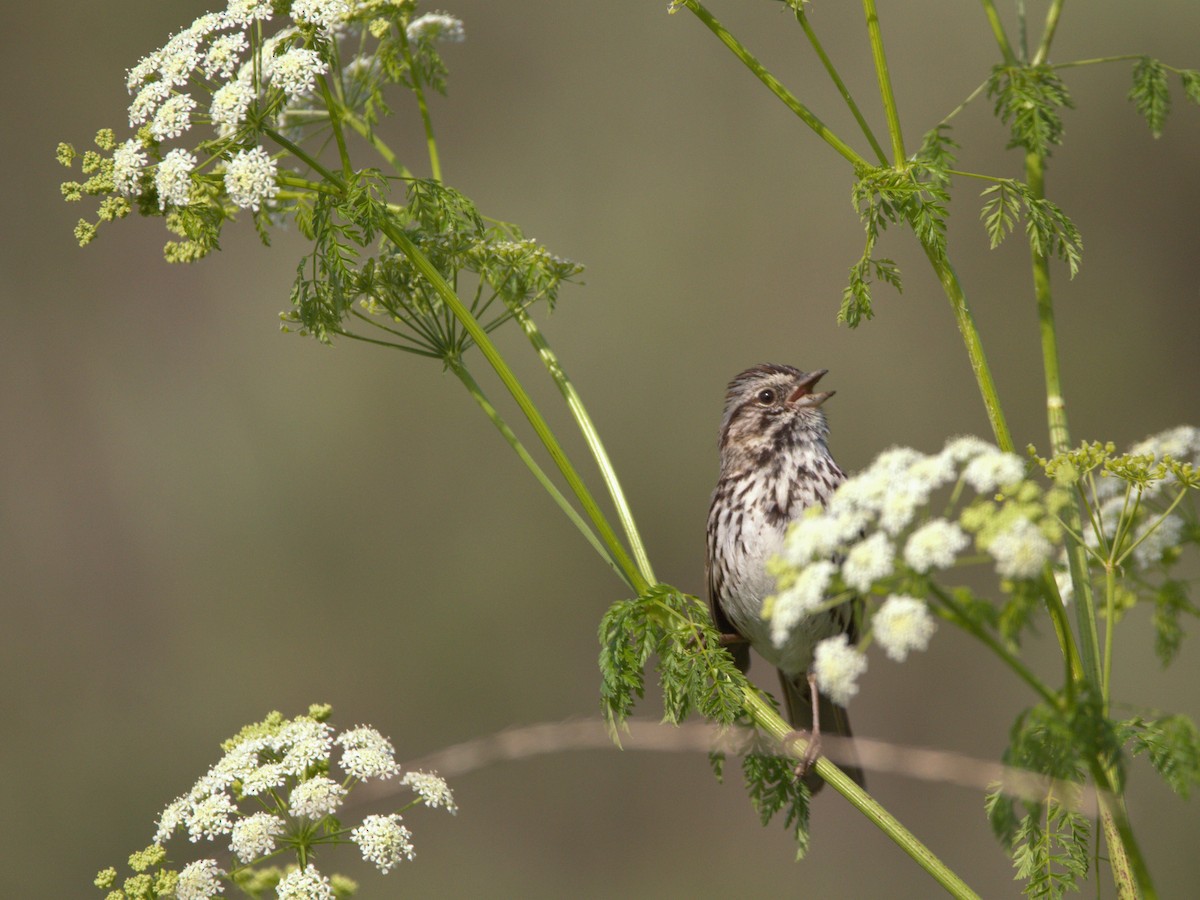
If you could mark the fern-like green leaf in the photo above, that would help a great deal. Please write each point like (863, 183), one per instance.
(1173, 744)
(1150, 93)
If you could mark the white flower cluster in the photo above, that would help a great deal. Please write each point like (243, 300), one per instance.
(220, 55)
(874, 528)
(284, 767)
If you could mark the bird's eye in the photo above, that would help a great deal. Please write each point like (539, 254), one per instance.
(766, 397)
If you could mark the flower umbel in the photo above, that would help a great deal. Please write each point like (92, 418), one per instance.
(269, 795)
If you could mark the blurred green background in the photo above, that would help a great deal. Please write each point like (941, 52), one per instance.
(202, 519)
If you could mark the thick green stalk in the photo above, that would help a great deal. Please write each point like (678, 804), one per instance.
(885, 82)
(970, 335)
(592, 437)
(1129, 870)
(802, 18)
(473, 388)
(769, 721)
(549, 441)
(368, 133)
(773, 84)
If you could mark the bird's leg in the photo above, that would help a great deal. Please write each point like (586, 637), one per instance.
(812, 751)
(727, 640)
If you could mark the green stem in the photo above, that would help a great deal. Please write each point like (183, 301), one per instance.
(473, 388)
(1043, 49)
(885, 81)
(335, 122)
(993, 18)
(802, 18)
(769, 721)
(304, 157)
(592, 437)
(374, 140)
(773, 85)
(1018, 667)
(434, 165)
(617, 552)
(1060, 439)
(970, 335)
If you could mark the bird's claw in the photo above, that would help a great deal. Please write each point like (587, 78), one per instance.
(812, 750)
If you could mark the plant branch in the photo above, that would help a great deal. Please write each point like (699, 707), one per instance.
(773, 84)
(1043, 49)
(993, 17)
(592, 437)
(802, 18)
(885, 81)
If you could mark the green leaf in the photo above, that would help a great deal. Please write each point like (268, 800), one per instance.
(1191, 84)
(1173, 744)
(1150, 93)
(1028, 99)
(1170, 603)
(773, 787)
(1001, 210)
(1051, 232)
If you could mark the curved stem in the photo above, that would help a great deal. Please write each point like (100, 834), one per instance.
(773, 84)
(970, 335)
(618, 553)
(419, 91)
(368, 133)
(1018, 667)
(802, 18)
(456, 366)
(885, 81)
(592, 437)
(769, 721)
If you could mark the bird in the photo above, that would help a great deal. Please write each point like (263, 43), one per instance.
(775, 464)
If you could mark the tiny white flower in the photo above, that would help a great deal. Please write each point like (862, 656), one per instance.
(903, 624)
(990, 471)
(383, 841)
(173, 178)
(254, 836)
(147, 102)
(178, 58)
(171, 819)
(367, 754)
(229, 104)
(211, 816)
(900, 504)
(868, 561)
(1155, 543)
(432, 789)
(295, 71)
(934, 545)
(173, 117)
(265, 777)
(200, 880)
(304, 884)
(838, 666)
(145, 67)
(224, 54)
(243, 12)
(810, 538)
(966, 447)
(1181, 443)
(250, 178)
(207, 24)
(436, 26)
(326, 15)
(316, 798)
(1020, 551)
(129, 160)
(303, 743)
(805, 594)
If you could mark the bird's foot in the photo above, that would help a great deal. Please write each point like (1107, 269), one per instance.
(812, 749)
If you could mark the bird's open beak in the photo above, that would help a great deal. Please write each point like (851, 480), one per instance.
(803, 394)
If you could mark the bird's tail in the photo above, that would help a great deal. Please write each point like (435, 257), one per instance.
(834, 721)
